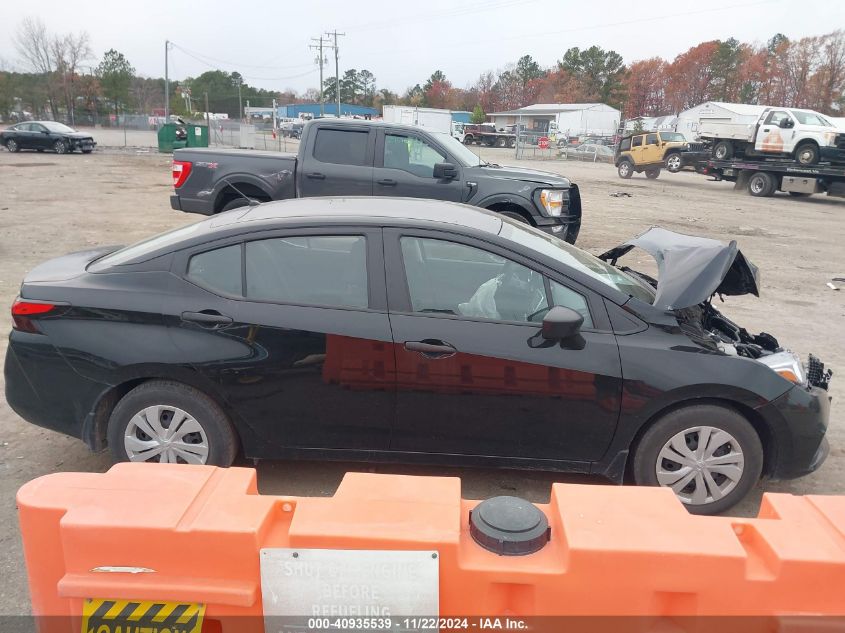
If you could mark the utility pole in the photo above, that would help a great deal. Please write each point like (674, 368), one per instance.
(336, 71)
(321, 60)
(240, 102)
(166, 84)
(208, 118)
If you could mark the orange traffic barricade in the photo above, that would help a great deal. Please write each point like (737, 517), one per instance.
(171, 548)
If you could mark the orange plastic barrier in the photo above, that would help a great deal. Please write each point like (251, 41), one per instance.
(145, 534)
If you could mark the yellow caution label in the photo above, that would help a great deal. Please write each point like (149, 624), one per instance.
(136, 616)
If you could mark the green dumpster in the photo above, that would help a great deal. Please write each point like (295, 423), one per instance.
(167, 138)
(197, 135)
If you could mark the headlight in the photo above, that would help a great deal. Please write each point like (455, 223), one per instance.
(552, 201)
(830, 138)
(786, 364)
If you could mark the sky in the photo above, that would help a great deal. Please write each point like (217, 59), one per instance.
(402, 43)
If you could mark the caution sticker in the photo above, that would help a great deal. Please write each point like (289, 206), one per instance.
(136, 616)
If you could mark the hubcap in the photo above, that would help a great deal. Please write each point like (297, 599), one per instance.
(12, 145)
(721, 152)
(623, 169)
(757, 185)
(674, 162)
(701, 464)
(165, 434)
(805, 157)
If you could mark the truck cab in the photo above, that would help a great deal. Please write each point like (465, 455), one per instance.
(650, 151)
(803, 135)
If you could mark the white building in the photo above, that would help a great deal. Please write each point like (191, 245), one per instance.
(688, 120)
(573, 119)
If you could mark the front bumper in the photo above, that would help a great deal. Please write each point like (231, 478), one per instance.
(84, 144)
(832, 154)
(798, 422)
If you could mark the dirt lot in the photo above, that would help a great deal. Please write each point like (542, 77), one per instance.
(51, 205)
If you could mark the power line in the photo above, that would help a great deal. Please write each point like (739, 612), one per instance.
(234, 64)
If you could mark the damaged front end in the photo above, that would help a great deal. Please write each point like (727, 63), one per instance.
(691, 271)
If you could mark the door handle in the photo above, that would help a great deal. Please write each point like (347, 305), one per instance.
(207, 318)
(316, 176)
(765, 129)
(387, 182)
(431, 348)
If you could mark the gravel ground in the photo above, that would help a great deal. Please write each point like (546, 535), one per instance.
(53, 204)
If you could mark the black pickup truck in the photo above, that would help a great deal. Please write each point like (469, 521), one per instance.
(339, 157)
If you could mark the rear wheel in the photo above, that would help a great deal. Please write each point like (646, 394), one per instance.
(12, 145)
(761, 184)
(724, 150)
(674, 163)
(501, 142)
(60, 147)
(236, 203)
(512, 142)
(807, 154)
(652, 172)
(168, 422)
(709, 455)
(625, 169)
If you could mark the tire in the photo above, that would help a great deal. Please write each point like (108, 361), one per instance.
(235, 204)
(60, 147)
(204, 434)
(674, 164)
(513, 215)
(512, 142)
(657, 461)
(723, 150)
(761, 184)
(625, 169)
(468, 140)
(652, 173)
(501, 142)
(12, 145)
(87, 151)
(807, 154)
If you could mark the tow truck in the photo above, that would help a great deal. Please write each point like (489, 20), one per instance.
(764, 178)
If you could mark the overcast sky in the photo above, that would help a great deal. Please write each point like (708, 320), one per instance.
(402, 43)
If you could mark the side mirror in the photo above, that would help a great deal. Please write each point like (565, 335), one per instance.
(564, 325)
(445, 170)
(45, 131)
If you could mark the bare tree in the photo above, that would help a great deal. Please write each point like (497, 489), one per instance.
(68, 52)
(32, 41)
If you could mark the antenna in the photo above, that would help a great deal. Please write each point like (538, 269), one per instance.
(251, 201)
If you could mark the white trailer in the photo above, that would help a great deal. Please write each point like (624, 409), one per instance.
(432, 119)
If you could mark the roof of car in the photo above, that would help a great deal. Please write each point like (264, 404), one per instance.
(397, 210)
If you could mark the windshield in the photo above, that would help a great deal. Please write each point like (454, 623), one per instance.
(672, 137)
(810, 118)
(57, 127)
(457, 149)
(140, 249)
(575, 258)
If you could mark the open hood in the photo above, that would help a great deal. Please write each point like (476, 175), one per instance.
(692, 269)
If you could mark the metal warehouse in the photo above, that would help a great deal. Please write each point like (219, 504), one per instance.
(293, 110)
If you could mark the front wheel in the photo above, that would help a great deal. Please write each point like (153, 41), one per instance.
(60, 147)
(468, 140)
(674, 163)
(625, 169)
(513, 215)
(709, 455)
(807, 154)
(171, 423)
(12, 145)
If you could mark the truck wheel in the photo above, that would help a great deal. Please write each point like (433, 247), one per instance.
(652, 173)
(512, 142)
(625, 169)
(761, 185)
(724, 150)
(468, 140)
(807, 154)
(501, 142)
(674, 163)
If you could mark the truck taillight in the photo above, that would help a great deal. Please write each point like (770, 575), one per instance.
(181, 171)
(23, 311)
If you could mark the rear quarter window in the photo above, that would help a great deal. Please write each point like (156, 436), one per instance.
(625, 145)
(218, 270)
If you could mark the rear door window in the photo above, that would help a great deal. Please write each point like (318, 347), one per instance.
(325, 270)
(651, 139)
(344, 147)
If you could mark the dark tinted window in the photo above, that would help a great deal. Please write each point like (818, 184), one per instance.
(651, 139)
(218, 270)
(637, 141)
(625, 145)
(328, 270)
(346, 147)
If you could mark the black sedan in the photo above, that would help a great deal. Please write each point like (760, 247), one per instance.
(415, 330)
(46, 135)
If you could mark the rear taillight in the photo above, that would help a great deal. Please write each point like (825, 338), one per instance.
(181, 171)
(23, 312)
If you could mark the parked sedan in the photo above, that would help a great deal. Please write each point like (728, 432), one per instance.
(413, 330)
(46, 135)
(589, 152)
